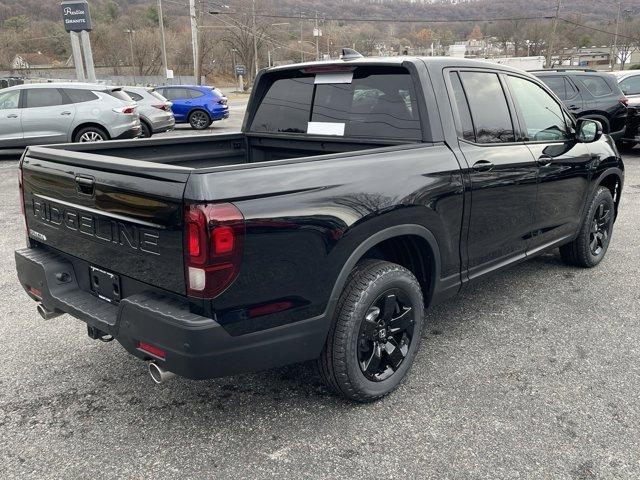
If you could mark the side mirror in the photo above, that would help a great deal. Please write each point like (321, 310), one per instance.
(589, 130)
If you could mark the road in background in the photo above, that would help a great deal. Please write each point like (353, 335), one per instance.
(532, 373)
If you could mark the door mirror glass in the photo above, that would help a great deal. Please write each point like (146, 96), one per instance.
(589, 131)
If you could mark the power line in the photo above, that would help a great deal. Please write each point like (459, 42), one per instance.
(598, 29)
(395, 20)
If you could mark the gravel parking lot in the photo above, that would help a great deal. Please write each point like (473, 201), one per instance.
(534, 373)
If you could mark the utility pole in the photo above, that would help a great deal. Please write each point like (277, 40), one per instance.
(614, 48)
(552, 35)
(133, 65)
(326, 36)
(194, 38)
(163, 45)
(316, 33)
(301, 49)
(255, 40)
(198, 32)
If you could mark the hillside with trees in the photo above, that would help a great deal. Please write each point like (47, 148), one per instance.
(34, 26)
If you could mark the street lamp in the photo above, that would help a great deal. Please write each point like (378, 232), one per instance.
(133, 66)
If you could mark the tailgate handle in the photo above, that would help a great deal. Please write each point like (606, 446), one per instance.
(85, 185)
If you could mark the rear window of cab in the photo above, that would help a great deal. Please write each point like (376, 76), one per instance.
(366, 102)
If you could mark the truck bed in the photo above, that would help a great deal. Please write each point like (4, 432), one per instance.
(209, 151)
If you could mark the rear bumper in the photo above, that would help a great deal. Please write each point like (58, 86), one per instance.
(196, 347)
(133, 132)
(219, 114)
(162, 124)
(125, 129)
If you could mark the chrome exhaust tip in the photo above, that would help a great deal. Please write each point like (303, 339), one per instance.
(158, 374)
(46, 313)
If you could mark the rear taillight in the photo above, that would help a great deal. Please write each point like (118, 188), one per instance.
(222, 101)
(125, 110)
(214, 239)
(624, 101)
(162, 106)
(21, 188)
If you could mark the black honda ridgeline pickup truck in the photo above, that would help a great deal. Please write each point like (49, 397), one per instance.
(358, 193)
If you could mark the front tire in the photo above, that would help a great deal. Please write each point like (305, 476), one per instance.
(376, 332)
(199, 120)
(589, 248)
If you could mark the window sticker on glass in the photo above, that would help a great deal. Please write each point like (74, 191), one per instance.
(325, 128)
(336, 77)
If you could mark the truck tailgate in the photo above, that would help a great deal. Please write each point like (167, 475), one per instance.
(119, 215)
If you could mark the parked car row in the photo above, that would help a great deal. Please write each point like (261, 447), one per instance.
(613, 100)
(47, 113)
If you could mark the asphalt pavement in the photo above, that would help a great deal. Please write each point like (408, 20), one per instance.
(532, 374)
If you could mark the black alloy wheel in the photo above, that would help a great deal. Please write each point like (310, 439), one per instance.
(591, 244)
(199, 120)
(375, 332)
(600, 227)
(385, 335)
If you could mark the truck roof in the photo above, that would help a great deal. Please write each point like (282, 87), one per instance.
(440, 62)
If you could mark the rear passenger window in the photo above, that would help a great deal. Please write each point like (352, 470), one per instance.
(195, 93)
(489, 109)
(571, 89)
(558, 85)
(77, 95)
(44, 97)
(596, 85)
(460, 101)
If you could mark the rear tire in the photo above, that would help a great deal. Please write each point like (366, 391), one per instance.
(375, 333)
(589, 248)
(147, 132)
(90, 134)
(199, 120)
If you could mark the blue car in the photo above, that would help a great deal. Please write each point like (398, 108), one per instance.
(196, 105)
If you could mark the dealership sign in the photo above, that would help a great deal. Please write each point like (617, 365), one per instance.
(75, 15)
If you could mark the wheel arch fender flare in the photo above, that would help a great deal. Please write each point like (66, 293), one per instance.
(388, 233)
(196, 109)
(92, 124)
(598, 182)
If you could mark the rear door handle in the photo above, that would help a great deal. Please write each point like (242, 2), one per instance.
(12, 115)
(573, 107)
(482, 166)
(65, 113)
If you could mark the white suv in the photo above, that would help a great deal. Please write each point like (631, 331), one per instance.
(44, 113)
